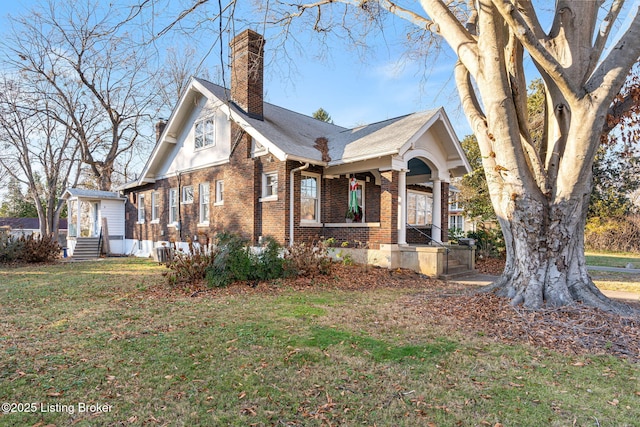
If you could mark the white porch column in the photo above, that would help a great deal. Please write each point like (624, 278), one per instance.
(402, 207)
(78, 219)
(436, 230)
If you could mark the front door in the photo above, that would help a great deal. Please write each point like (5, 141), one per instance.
(96, 223)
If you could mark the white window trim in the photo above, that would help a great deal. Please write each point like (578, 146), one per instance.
(141, 209)
(201, 203)
(271, 197)
(219, 201)
(318, 196)
(173, 221)
(203, 120)
(182, 196)
(425, 194)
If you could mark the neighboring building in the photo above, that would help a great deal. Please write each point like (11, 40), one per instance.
(226, 160)
(18, 227)
(457, 219)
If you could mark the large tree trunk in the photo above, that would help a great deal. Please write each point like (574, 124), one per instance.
(545, 263)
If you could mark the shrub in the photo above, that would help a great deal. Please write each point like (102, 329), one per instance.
(10, 248)
(489, 242)
(28, 248)
(270, 263)
(233, 261)
(307, 259)
(43, 249)
(190, 267)
(617, 234)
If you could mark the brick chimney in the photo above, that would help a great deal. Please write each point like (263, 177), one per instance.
(247, 68)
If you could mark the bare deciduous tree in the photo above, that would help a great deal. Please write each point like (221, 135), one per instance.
(92, 67)
(36, 150)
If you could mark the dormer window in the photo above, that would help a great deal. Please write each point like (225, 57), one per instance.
(204, 133)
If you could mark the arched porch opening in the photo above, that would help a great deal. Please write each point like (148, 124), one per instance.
(423, 198)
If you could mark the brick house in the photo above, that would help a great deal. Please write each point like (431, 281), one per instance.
(227, 160)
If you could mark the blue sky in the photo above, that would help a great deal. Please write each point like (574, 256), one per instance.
(355, 89)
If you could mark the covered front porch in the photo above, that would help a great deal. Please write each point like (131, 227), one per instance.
(403, 198)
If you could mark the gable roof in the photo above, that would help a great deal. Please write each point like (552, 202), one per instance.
(90, 194)
(292, 136)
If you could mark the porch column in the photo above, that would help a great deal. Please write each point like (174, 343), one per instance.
(436, 216)
(402, 207)
(78, 218)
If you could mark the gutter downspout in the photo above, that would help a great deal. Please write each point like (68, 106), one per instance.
(291, 199)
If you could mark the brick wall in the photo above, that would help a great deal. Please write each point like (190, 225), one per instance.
(189, 213)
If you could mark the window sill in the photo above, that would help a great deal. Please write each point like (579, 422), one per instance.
(268, 199)
(352, 224)
(204, 147)
(155, 221)
(172, 225)
(139, 222)
(310, 224)
(203, 224)
(218, 203)
(187, 203)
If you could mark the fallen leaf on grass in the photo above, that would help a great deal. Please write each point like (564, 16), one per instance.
(54, 394)
(614, 402)
(249, 411)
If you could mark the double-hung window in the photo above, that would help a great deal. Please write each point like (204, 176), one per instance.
(187, 194)
(204, 133)
(141, 212)
(270, 186)
(310, 198)
(155, 206)
(203, 195)
(419, 207)
(219, 192)
(456, 222)
(173, 205)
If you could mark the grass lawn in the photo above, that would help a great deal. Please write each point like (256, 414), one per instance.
(103, 333)
(619, 260)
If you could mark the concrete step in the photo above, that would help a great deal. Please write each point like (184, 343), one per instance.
(457, 272)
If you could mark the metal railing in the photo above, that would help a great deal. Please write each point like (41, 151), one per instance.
(437, 243)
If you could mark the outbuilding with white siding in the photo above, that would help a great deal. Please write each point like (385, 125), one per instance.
(95, 216)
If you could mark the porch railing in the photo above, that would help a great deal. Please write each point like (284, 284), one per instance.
(437, 243)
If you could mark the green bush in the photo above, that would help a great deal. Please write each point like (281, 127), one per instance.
(10, 248)
(270, 263)
(489, 242)
(233, 261)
